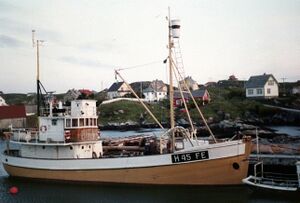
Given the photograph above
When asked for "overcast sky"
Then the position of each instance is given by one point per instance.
(87, 40)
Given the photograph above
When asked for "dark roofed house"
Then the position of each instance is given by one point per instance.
(296, 88)
(156, 91)
(202, 95)
(262, 86)
(199, 95)
(12, 115)
(117, 89)
(210, 84)
(138, 87)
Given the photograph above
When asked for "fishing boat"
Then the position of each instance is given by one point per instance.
(67, 146)
(261, 179)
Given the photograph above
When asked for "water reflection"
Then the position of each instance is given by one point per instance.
(43, 191)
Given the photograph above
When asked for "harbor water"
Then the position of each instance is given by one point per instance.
(51, 191)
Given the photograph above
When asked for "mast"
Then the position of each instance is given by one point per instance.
(38, 88)
(171, 90)
(38, 77)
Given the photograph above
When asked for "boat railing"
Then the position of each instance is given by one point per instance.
(273, 179)
(275, 182)
(56, 112)
(24, 134)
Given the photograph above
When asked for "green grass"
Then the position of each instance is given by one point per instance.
(15, 99)
(224, 101)
(123, 111)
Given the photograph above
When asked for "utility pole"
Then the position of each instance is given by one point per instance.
(283, 83)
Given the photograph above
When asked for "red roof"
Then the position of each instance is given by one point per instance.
(14, 111)
(86, 92)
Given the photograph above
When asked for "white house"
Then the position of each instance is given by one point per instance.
(156, 91)
(192, 84)
(2, 102)
(117, 89)
(262, 86)
(71, 95)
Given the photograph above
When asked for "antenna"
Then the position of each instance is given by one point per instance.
(33, 41)
(283, 82)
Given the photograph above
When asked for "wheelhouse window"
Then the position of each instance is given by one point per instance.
(74, 122)
(68, 122)
(87, 122)
(81, 122)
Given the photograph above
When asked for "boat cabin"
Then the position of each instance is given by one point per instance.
(63, 133)
(80, 124)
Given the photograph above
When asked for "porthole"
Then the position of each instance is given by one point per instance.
(82, 147)
(43, 147)
(71, 148)
(6, 160)
(236, 166)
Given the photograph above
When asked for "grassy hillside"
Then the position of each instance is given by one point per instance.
(12, 99)
(123, 111)
(225, 102)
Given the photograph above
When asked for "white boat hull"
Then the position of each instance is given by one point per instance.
(227, 164)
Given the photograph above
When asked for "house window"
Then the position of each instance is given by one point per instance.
(250, 92)
(269, 91)
(258, 91)
(271, 82)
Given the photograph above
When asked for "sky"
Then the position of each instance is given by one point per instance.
(86, 40)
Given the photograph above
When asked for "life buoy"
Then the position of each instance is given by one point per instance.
(43, 128)
(67, 135)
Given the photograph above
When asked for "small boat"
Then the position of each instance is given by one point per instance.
(274, 183)
(67, 147)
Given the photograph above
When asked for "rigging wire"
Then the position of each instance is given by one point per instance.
(141, 65)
